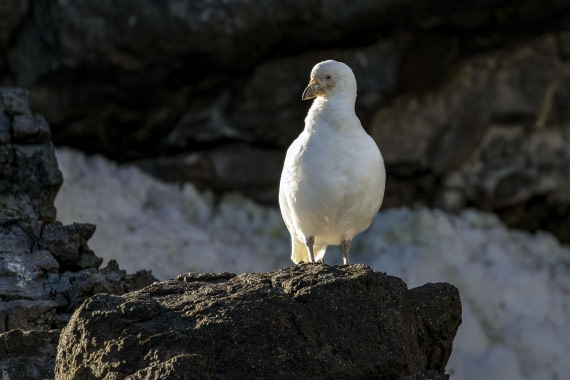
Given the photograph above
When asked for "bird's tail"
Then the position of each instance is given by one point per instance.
(299, 252)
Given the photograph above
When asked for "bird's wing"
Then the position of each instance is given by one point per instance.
(286, 187)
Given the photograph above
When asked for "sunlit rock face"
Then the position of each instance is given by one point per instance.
(305, 320)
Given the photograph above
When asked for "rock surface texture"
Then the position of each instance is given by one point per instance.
(46, 269)
(305, 321)
(202, 91)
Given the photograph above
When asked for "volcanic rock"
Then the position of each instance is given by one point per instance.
(305, 321)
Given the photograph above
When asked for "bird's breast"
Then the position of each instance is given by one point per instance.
(333, 183)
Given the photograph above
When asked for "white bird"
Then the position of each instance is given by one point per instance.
(333, 179)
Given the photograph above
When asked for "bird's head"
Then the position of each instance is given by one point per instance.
(329, 78)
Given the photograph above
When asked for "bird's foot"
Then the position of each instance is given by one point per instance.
(345, 246)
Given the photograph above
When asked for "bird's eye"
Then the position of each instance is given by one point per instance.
(327, 77)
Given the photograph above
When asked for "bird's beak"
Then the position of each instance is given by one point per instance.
(311, 91)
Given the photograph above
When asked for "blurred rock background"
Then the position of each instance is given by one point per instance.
(467, 100)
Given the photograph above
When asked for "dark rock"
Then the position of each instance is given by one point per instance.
(5, 127)
(494, 139)
(44, 276)
(46, 269)
(126, 61)
(440, 131)
(29, 128)
(266, 108)
(14, 101)
(306, 321)
(29, 181)
(122, 83)
(29, 176)
(68, 245)
(235, 59)
(30, 314)
(26, 355)
(233, 167)
(38, 293)
(12, 13)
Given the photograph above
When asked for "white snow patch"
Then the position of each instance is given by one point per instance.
(514, 286)
(146, 224)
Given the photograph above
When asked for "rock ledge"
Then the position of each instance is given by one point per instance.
(305, 321)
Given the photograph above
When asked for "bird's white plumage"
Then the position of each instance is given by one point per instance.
(333, 178)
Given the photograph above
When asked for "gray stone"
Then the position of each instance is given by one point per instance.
(68, 244)
(29, 181)
(38, 293)
(14, 101)
(22, 272)
(46, 269)
(310, 321)
(26, 355)
(29, 175)
(30, 314)
(28, 128)
(24, 128)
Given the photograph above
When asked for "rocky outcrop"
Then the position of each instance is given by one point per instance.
(46, 269)
(209, 92)
(305, 321)
(29, 177)
(40, 286)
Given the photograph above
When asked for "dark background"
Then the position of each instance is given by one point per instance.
(467, 100)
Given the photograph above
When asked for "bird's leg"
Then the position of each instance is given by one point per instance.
(309, 242)
(345, 246)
